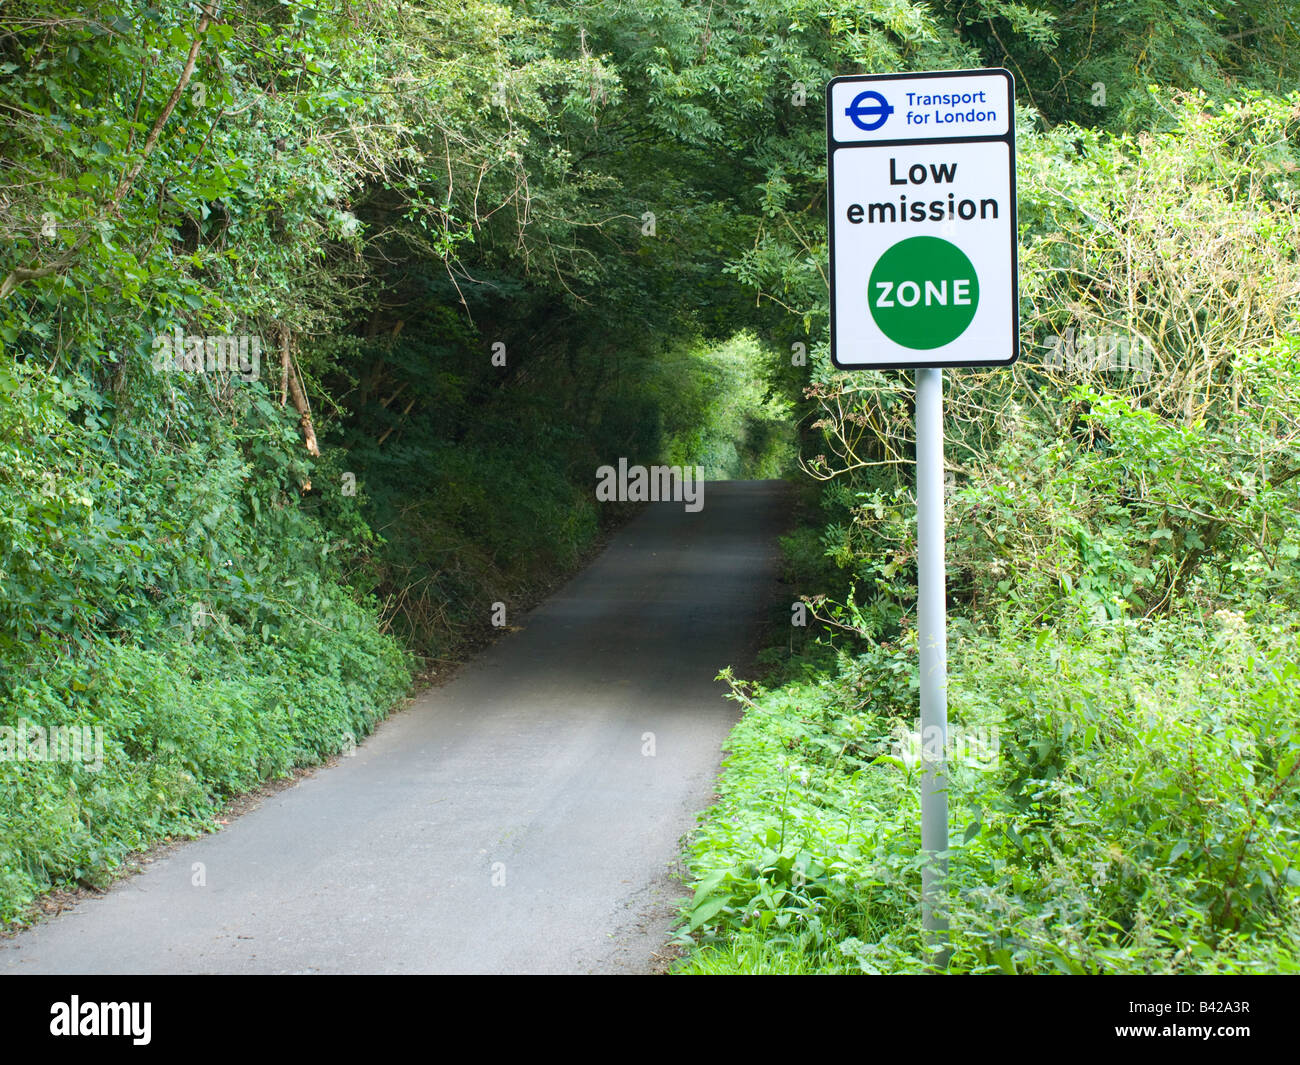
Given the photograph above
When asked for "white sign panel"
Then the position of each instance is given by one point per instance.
(922, 204)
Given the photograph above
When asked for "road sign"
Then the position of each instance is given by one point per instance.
(921, 176)
(922, 201)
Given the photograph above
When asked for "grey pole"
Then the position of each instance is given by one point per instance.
(932, 625)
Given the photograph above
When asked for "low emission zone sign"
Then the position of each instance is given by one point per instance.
(922, 200)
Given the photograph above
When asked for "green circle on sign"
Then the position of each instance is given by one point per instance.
(923, 292)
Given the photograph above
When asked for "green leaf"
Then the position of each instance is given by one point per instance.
(708, 884)
(707, 910)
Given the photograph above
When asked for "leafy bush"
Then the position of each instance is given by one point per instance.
(167, 594)
(1141, 816)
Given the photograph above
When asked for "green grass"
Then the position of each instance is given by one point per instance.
(748, 955)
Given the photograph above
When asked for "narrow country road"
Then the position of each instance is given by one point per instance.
(514, 820)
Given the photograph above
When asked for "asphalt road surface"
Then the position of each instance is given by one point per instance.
(522, 818)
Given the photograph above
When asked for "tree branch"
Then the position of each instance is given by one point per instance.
(129, 179)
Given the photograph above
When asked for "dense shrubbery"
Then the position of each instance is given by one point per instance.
(164, 588)
(1141, 815)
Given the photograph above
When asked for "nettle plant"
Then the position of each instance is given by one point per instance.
(1145, 814)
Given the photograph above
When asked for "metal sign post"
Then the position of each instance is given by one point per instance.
(923, 275)
(932, 631)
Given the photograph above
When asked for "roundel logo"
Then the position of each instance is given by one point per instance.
(869, 110)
